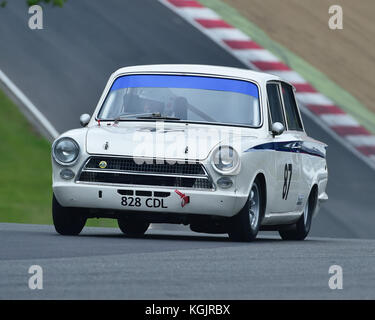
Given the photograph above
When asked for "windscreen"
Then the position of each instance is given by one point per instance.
(183, 98)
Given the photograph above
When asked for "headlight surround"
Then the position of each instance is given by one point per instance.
(65, 151)
(225, 160)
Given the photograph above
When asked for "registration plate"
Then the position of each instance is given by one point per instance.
(143, 202)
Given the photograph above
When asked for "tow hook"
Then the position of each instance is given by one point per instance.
(184, 198)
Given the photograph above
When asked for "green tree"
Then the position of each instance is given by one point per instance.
(58, 3)
(55, 3)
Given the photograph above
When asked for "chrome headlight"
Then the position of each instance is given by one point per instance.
(225, 160)
(65, 151)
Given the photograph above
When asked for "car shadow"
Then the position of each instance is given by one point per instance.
(175, 235)
(178, 237)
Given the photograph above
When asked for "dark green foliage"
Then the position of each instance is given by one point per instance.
(58, 3)
(55, 3)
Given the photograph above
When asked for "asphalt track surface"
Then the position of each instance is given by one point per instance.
(104, 264)
(63, 69)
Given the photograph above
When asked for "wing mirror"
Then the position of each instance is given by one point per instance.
(84, 119)
(277, 128)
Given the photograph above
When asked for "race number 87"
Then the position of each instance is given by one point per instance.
(287, 178)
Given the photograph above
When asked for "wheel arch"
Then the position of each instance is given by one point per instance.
(261, 179)
(313, 197)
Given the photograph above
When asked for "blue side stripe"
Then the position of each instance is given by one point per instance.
(189, 82)
(287, 146)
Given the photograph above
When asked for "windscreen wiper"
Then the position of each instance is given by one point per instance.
(157, 116)
(135, 115)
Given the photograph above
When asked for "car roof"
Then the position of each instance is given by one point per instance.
(199, 69)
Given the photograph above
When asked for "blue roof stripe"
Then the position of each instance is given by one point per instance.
(190, 82)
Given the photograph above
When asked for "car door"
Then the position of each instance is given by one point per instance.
(287, 159)
(296, 128)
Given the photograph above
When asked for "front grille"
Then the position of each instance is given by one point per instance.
(129, 164)
(126, 171)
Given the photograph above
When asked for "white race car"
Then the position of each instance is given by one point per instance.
(221, 149)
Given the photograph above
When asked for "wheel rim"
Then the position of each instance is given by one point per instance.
(306, 212)
(254, 206)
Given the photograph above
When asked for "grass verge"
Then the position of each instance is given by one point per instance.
(25, 171)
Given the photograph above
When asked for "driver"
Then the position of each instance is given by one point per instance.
(177, 107)
(180, 108)
(131, 102)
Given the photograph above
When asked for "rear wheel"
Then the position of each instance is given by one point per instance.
(133, 227)
(67, 221)
(245, 224)
(301, 229)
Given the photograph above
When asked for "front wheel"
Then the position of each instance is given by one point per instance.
(133, 227)
(244, 226)
(67, 221)
(301, 229)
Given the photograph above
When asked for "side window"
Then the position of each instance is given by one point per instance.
(291, 111)
(274, 100)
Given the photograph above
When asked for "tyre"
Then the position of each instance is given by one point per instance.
(301, 228)
(67, 221)
(133, 227)
(244, 226)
